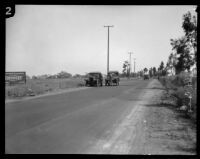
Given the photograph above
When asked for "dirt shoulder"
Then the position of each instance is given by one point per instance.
(165, 129)
(151, 127)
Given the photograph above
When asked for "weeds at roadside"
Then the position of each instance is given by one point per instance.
(179, 92)
(40, 86)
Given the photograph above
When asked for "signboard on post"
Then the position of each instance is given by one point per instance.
(15, 78)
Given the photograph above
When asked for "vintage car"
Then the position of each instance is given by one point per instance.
(146, 76)
(112, 78)
(94, 79)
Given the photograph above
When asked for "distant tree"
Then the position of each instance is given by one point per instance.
(154, 71)
(64, 74)
(126, 69)
(77, 76)
(140, 73)
(34, 77)
(171, 63)
(162, 70)
(161, 66)
(52, 76)
(165, 71)
(45, 76)
(158, 72)
(151, 72)
(145, 70)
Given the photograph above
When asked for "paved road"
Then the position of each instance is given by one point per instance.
(71, 122)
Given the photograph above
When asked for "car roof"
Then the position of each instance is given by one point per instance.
(95, 72)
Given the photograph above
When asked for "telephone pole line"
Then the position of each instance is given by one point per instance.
(134, 64)
(130, 62)
(108, 26)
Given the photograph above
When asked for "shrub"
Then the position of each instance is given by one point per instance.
(177, 83)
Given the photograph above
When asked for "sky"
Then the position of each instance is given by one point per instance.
(48, 39)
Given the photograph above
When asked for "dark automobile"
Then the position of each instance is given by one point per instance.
(146, 76)
(112, 78)
(94, 79)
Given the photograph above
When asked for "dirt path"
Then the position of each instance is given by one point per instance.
(150, 128)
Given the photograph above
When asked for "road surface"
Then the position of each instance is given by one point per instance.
(93, 120)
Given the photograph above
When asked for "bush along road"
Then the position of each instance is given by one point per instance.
(182, 89)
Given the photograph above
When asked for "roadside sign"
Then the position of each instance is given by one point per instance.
(15, 77)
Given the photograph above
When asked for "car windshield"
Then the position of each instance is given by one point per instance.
(113, 73)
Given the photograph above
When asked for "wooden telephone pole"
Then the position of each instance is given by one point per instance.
(130, 63)
(108, 26)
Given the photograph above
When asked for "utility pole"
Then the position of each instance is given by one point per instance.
(108, 26)
(130, 62)
(134, 68)
(134, 65)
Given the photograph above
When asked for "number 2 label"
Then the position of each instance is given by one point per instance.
(8, 11)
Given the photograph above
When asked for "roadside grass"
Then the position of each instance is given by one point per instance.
(41, 86)
(175, 88)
